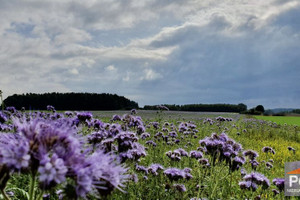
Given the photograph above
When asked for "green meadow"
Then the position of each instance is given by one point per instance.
(214, 181)
(290, 120)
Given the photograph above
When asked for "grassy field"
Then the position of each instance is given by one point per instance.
(290, 120)
(218, 180)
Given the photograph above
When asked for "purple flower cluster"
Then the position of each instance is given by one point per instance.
(196, 154)
(174, 174)
(132, 121)
(176, 154)
(54, 152)
(279, 183)
(3, 117)
(84, 116)
(253, 180)
(153, 168)
(50, 108)
(223, 119)
(179, 187)
(11, 109)
(221, 147)
(268, 149)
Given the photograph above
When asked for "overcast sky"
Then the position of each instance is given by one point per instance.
(154, 51)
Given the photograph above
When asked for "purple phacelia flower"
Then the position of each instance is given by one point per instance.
(133, 112)
(140, 129)
(112, 175)
(182, 152)
(237, 162)
(69, 113)
(204, 162)
(254, 164)
(97, 137)
(179, 187)
(14, 151)
(83, 116)
(275, 192)
(141, 168)
(248, 185)
(50, 108)
(52, 170)
(257, 178)
(116, 118)
(154, 168)
(150, 142)
(196, 154)
(173, 134)
(11, 109)
(3, 117)
(279, 182)
(268, 149)
(250, 154)
(174, 174)
(144, 136)
(269, 165)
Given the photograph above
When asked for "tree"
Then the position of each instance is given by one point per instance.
(260, 109)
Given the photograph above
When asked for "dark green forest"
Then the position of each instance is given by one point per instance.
(70, 101)
(203, 107)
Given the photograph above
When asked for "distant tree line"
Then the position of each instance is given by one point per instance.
(70, 101)
(297, 111)
(202, 107)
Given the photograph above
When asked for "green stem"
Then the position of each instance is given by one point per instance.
(4, 195)
(40, 197)
(32, 184)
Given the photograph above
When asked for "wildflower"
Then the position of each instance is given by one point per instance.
(254, 164)
(11, 109)
(248, 185)
(50, 108)
(112, 175)
(154, 168)
(250, 154)
(196, 154)
(83, 116)
(257, 178)
(150, 142)
(204, 162)
(243, 172)
(182, 152)
(279, 182)
(268, 149)
(275, 192)
(175, 174)
(173, 134)
(141, 168)
(52, 170)
(269, 165)
(3, 118)
(14, 151)
(179, 187)
(133, 112)
(237, 162)
(116, 118)
(145, 135)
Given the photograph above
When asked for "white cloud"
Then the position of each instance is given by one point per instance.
(201, 46)
(111, 68)
(150, 75)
